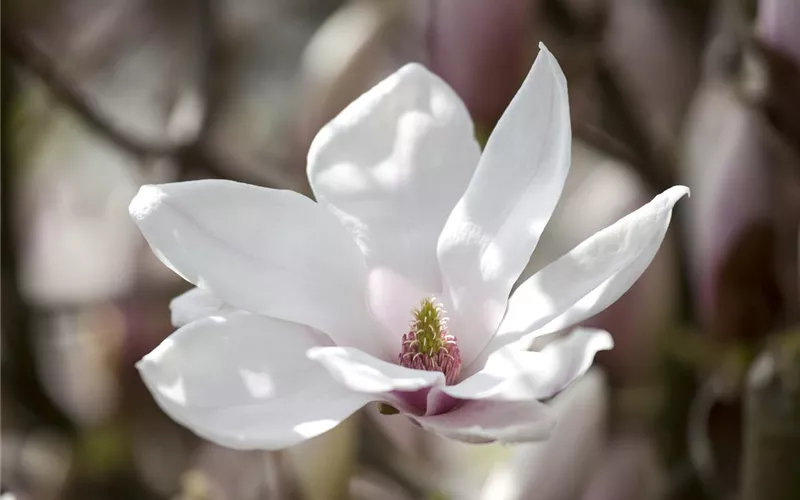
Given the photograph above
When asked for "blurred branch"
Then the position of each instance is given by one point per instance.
(212, 52)
(204, 157)
(617, 108)
(656, 169)
(771, 468)
(197, 152)
(201, 153)
(603, 141)
(28, 56)
(695, 13)
(779, 100)
(772, 437)
(627, 138)
(19, 374)
(699, 444)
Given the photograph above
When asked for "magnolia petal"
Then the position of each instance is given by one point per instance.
(363, 373)
(488, 421)
(243, 381)
(588, 278)
(263, 250)
(392, 165)
(195, 304)
(494, 228)
(514, 375)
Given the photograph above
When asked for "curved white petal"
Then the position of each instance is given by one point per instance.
(195, 304)
(361, 372)
(263, 250)
(243, 381)
(590, 277)
(489, 421)
(392, 165)
(514, 375)
(493, 229)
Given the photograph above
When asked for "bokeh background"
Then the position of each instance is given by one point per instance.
(699, 400)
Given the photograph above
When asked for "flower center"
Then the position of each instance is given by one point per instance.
(428, 345)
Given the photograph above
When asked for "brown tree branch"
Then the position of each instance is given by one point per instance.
(28, 56)
(197, 152)
(19, 374)
(771, 469)
(603, 141)
(622, 134)
(210, 46)
(657, 171)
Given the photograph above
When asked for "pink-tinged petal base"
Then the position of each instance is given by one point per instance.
(391, 299)
(408, 390)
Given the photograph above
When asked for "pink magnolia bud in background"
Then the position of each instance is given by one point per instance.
(724, 157)
(660, 74)
(779, 26)
(483, 50)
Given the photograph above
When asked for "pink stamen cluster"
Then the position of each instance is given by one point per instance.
(428, 345)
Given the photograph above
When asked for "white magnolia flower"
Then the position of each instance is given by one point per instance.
(302, 312)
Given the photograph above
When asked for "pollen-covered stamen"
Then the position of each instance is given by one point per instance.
(428, 345)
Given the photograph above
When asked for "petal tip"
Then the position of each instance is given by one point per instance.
(605, 342)
(145, 367)
(675, 193)
(145, 201)
(550, 61)
(543, 50)
(683, 190)
(154, 359)
(600, 340)
(413, 67)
